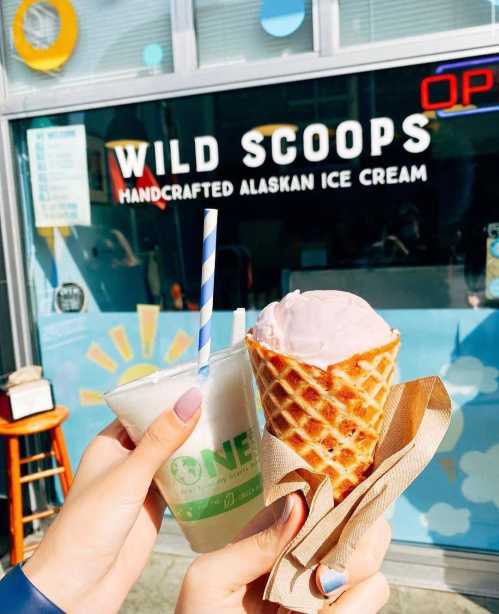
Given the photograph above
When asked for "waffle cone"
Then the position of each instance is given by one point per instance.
(332, 418)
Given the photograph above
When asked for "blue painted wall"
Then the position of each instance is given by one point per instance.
(456, 500)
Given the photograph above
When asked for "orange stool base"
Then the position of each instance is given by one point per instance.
(12, 430)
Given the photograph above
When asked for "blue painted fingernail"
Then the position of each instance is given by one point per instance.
(331, 580)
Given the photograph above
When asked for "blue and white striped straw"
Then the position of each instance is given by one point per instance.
(207, 285)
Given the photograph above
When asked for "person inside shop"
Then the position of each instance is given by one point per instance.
(234, 278)
(100, 542)
(400, 241)
(179, 300)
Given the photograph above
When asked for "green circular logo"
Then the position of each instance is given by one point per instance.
(186, 470)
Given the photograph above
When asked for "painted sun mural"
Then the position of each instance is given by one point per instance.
(131, 366)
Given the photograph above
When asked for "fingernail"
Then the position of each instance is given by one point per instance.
(331, 580)
(288, 508)
(125, 440)
(188, 404)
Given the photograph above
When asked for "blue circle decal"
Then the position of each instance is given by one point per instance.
(152, 54)
(282, 17)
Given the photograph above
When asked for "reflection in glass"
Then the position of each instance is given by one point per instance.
(137, 43)
(230, 31)
(369, 21)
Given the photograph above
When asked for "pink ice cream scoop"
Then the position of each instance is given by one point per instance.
(321, 327)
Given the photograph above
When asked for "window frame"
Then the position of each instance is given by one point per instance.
(419, 37)
(327, 59)
(16, 275)
(316, 39)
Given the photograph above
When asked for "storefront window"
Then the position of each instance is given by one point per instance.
(230, 31)
(6, 348)
(342, 182)
(83, 40)
(369, 21)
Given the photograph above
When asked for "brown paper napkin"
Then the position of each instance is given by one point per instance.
(417, 415)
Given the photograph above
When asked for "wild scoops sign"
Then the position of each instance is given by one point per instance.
(314, 143)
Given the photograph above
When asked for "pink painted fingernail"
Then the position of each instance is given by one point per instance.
(188, 404)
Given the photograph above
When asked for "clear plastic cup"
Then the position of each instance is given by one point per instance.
(212, 483)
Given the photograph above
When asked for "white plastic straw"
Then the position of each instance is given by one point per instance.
(238, 325)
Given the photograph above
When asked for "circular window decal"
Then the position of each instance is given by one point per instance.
(69, 298)
(59, 52)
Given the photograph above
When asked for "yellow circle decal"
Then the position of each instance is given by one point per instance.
(53, 57)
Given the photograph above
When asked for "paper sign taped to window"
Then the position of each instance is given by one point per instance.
(59, 176)
(492, 269)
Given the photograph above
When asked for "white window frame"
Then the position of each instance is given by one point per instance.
(185, 57)
(401, 43)
(316, 40)
(3, 70)
(415, 47)
(327, 59)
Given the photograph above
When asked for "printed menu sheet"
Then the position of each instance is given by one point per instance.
(59, 176)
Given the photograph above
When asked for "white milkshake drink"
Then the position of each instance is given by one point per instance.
(212, 483)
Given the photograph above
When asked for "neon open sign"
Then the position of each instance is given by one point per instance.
(460, 88)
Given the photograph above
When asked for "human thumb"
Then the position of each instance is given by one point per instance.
(167, 433)
(254, 556)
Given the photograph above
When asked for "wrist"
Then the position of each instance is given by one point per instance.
(48, 580)
(18, 594)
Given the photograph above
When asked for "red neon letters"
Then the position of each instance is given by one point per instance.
(472, 82)
(485, 76)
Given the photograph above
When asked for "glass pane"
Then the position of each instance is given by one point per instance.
(231, 31)
(85, 40)
(6, 349)
(405, 214)
(7, 363)
(367, 21)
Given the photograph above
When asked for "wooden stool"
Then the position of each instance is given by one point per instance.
(12, 430)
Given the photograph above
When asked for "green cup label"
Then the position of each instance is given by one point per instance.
(215, 481)
(219, 503)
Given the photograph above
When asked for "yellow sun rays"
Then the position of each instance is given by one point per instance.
(148, 324)
(90, 397)
(98, 356)
(121, 343)
(180, 344)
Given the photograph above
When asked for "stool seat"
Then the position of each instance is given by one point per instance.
(37, 423)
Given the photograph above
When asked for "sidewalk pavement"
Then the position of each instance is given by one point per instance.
(157, 590)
